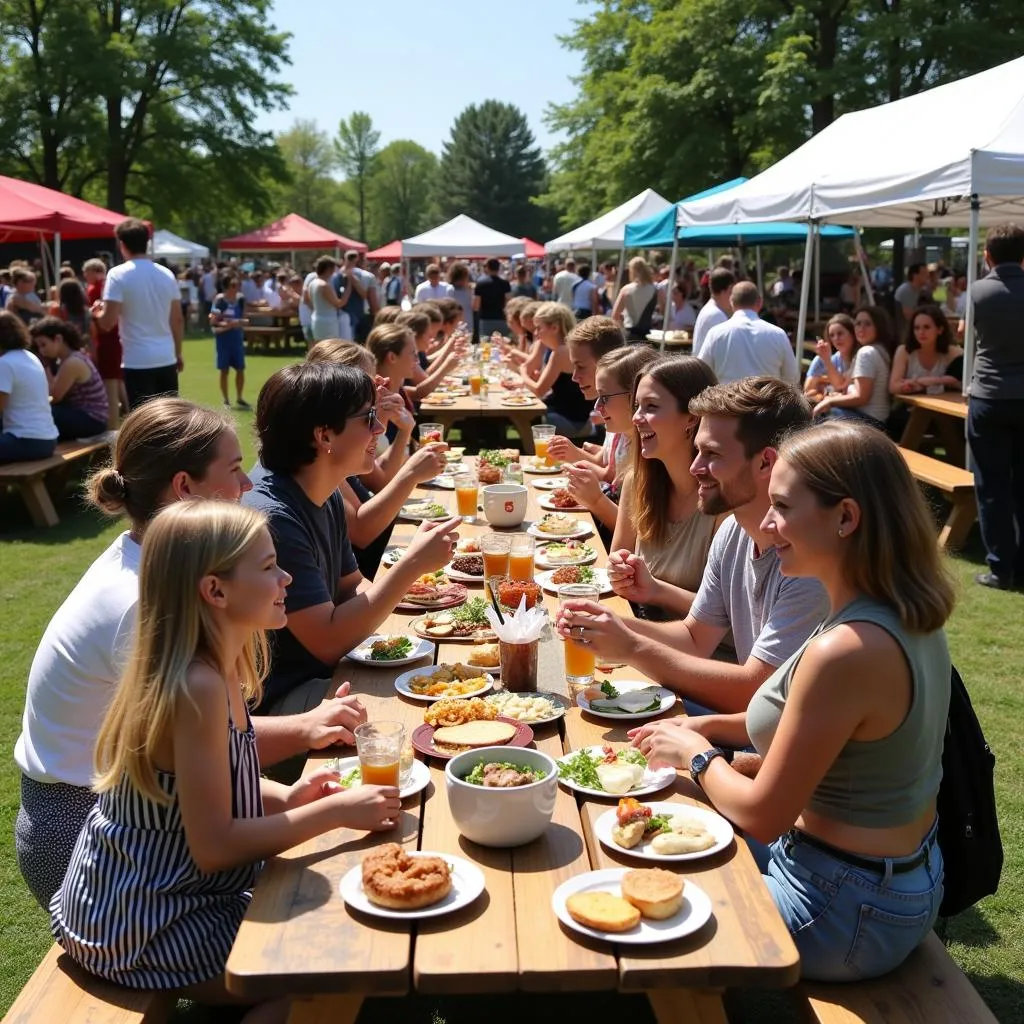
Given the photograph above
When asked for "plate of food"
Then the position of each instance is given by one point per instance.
(560, 500)
(605, 771)
(435, 399)
(432, 590)
(466, 568)
(437, 681)
(634, 907)
(391, 556)
(532, 708)
(499, 457)
(518, 400)
(467, 622)
(539, 464)
(552, 579)
(350, 775)
(551, 483)
(454, 454)
(445, 741)
(484, 656)
(391, 649)
(444, 482)
(424, 512)
(468, 546)
(627, 700)
(663, 831)
(409, 885)
(559, 553)
(558, 524)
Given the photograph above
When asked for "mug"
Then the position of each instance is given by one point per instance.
(504, 504)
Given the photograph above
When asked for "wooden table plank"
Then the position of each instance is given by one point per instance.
(468, 407)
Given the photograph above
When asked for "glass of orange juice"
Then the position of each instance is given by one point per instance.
(379, 746)
(520, 558)
(476, 379)
(542, 434)
(579, 656)
(466, 495)
(495, 548)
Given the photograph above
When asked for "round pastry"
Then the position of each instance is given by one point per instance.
(391, 878)
(602, 911)
(655, 892)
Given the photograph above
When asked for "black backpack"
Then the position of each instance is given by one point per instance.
(968, 823)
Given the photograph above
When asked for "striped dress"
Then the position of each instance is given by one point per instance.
(134, 908)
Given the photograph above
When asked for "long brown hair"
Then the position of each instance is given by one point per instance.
(892, 556)
(684, 377)
(937, 317)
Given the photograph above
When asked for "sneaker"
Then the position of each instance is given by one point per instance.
(242, 404)
(990, 579)
(227, 404)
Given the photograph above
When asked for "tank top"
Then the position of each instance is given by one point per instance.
(134, 907)
(879, 783)
(231, 311)
(915, 369)
(679, 559)
(635, 303)
(321, 304)
(90, 396)
(566, 398)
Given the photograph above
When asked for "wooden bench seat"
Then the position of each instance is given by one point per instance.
(30, 477)
(928, 988)
(60, 992)
(266, 337)
(957, 484)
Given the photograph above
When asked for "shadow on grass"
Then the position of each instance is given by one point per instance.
(77, 520)
(969, 928)
(1004, 996)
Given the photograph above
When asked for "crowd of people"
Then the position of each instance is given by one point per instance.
(177, 689)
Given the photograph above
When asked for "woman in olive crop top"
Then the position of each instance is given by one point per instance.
(850, 729)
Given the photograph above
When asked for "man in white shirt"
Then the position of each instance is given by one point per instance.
(207, 293)
(143, 299)
(433, 287)
(717, 309)
(747, 346)
(564, 283)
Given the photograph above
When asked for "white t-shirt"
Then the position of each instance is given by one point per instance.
(305, 313)
(425, 291)
(77, 667)
(747, 346)
(562, 286)
(27, 412)
(872, 361)
(145, 291)
(711, 315)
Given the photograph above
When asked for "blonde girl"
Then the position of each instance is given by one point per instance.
(634, 305)
(163, 870)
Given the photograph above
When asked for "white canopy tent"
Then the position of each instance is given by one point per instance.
(169, 246)
(461, 236)
(609, 230)
(949, 157)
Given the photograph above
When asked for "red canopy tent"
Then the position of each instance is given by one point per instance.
(390, 252)
(292, 232)
(533, 250)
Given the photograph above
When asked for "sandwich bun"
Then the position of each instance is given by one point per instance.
(655, 892)
(602, 911)
(475, 734)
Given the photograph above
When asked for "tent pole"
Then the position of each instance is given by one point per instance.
(44, 252)
(760, 270)
(817, 274)
(666, 320)
(972, 276)
(864, 275)
(56, 253)
(622, 266)
(805, 289)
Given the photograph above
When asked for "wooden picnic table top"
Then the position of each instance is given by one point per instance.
(299, 937)
(949, 403)
(489, 404)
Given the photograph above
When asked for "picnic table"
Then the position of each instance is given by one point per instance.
(299, 938)
(486, 406)
(676, 340)
(943, 409)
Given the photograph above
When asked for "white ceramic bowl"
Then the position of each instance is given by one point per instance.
(505, 504)
(501, 817)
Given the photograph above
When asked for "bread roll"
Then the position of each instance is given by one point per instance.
(475, 734)
(629, 835)
(602, 911)
(655, 892)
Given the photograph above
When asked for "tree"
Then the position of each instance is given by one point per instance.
(677, 95)
(356, 147)
(309, 158)
(399, 193)
(113, 89)
(491, 168)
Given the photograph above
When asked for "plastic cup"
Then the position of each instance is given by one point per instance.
(379, 746)
(467, 494)
(542, 434)
(579, 656)
(495, 548)
(431, 433)
(520, 558)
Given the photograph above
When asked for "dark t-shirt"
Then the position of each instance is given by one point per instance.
(492, 291)
(527, 291)
(313, 547)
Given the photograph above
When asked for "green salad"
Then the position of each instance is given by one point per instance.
(493, 457)
(472, 613)
(353, 777)
(391, 649)
(582, 766)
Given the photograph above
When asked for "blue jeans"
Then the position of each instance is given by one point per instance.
(74, 422)
(24, 449)
(849, 922)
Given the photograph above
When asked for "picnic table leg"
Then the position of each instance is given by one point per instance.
(913, 432)
(523, 422)
(686, 1006)
(961, 518)
(39, 503)
(336, 1009)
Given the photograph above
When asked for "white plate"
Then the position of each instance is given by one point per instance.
(668, 698)
(583, 529)
(419, 781)
(714, 823)
(420, 649)
(655, 779)
(529, 466)
(545, 563)
(511, 403)
(693, 914)
(444, 482)
(423, 519)
(551, 483)
(600, 579)
(402, 684)
(548, 505)
(467, 884)
(391, 556)
(461, 577)
(555, 698)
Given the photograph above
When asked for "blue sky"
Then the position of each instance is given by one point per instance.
(413, 66)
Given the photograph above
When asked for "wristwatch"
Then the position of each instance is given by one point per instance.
(699, 764)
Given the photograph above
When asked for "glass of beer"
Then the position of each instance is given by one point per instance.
(495, 548)
(431, 433)
(466, 495)
(520, 558)
(542, 434)
(579, 656)
(476, 379)
(379, 746)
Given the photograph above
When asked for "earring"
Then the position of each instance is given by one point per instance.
(840, 533)
(329, 452)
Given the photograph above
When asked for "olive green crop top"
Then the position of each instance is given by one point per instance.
(877, 783)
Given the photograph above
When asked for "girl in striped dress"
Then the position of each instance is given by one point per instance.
(163, 869)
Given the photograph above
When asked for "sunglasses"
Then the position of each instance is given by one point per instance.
(605, 399)
(370, 416)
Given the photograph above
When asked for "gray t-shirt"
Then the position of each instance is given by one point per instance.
(872, 361)
(770, 615)
(907, 295)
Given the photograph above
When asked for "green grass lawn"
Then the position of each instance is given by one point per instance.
(39, 567)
